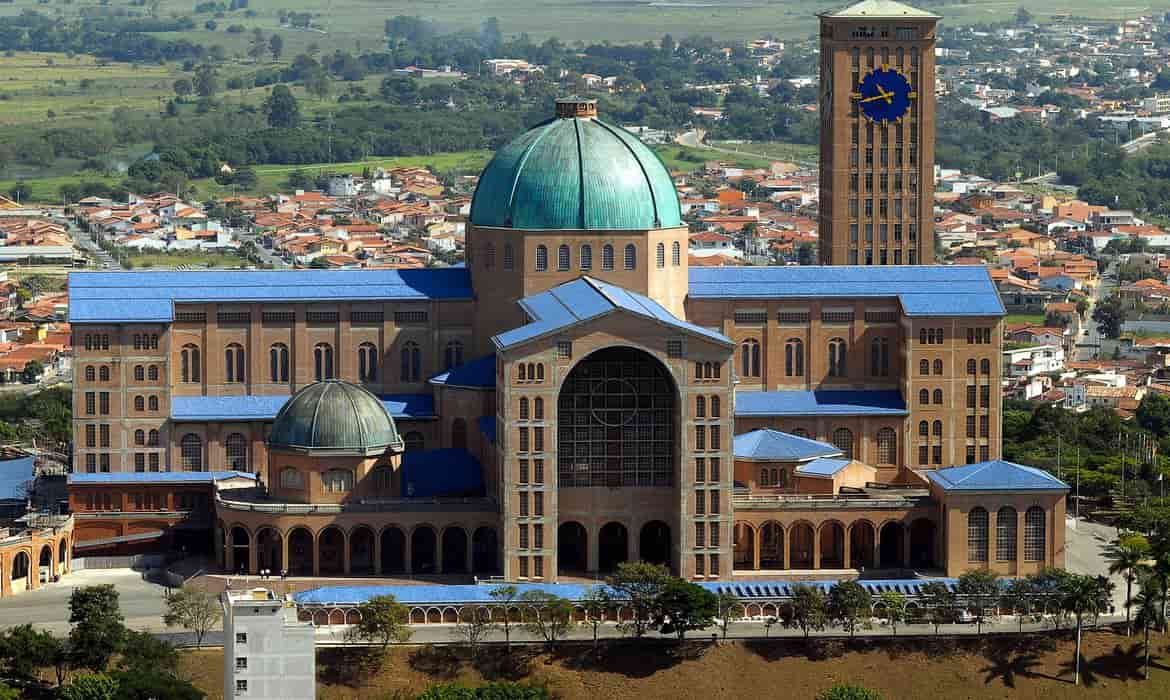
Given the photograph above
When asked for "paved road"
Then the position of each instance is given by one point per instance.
(48, 607)
(1093, 345)
(82, 240)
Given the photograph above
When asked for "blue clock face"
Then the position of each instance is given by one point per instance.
(884, 95)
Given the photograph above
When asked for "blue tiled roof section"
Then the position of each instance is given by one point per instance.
(480, 373)
(446, 472)
(439, 594)
(586, 298)
(248, 408)
(14, 474)
(923, 290)
(157, 477)
(487, 427)
(826, 402)
(996, 475)
(822, 467)
(774, 446)
(108, 297)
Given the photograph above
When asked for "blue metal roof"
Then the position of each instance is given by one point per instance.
(157, 477)
(439, 594)
(826, 402)
(480, 373)
(774, 446)
(14, 475)
(487, 427)
(584, 299)
(996, 475)
(923, 290)
(822, 467)
(111, 297)
(449, 471)
(251, 408)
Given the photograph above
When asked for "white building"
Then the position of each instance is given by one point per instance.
(1034, 360)
(267, 653)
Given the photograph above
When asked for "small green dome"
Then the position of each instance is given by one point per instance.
(576, 173)
(334, 417)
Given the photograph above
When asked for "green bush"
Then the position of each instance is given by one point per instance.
(499, 690)
(846, 691)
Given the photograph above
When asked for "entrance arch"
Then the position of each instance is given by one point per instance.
(771, 546)
(572, 548)
(454, 551)
(485, 551)
(654, 543)
(922, 532)
(890, 546)
(45, 563)
(393, 551)
(743, 548)
(300, 552)
(832, 545)
(801, 542)
(861, 542)
(62, 556)
(422, 550)
(268, 550)
(241, 543)
(331, 551)
(361, 550)
(613, 546)
(20, 571)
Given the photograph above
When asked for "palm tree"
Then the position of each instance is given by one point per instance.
(1149, 612)
(1083, 595)
(1127, 556)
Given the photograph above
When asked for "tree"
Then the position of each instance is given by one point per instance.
(245, 178)
(7, 692)
(383, 621)
(206, 82)
(939, 601)
(804, 254)
(850, 605)
(895, 607)
(90, 686)
(551, 618)
(147, 684)
(1109, 314)
(505, 597)
(258, 47)
(1017, 597)
(183, 87)
(1149, 614)
(810, 609)
(596, 602)
(475, 621)
(847, 691)
(1127, 557)
(275, 46)
(26, 650)
(192, 609)
(97, 626)
(682, 606)
(980, 588)
(728, 610)
(1153, 413)
(142, 652)
(638, 585)
(281, 108)
(315, 79)
(1083, 595)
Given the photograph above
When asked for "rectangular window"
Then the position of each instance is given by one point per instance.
(538, 439)
(714, 437)
(700, 560)
(700, 534)
(523, 439)
(366, 317)
(401, 317)
(970, 426)
(751, 317)
(154, 462)
(241, 685)
(713, 570)
(241, 663)
(700, 470)
(700, 503)
(523, 471)
(538, 471)
(970, 397)
(937, 454)
(523, 567)
(139, 462)
(714, 502)
(674, 348)
(90, 463)
(564, 349)
(714, 539)
(700, 437)
(104, 403)
(523, 504)
(523, 536)
(538, 503)
(984, 453)
(90, 403)
(104, 434)
(241, 637)
(538, 536)
(984, 426)
(714, 475)
(538, 567)
(985, 396)
(970, 454)
(91, 435)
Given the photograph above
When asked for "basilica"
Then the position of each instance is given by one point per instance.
(572, 397)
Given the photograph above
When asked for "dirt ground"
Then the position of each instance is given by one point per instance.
(1020, 669)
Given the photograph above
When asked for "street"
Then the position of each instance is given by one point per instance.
(1091, 345)
(48, 607)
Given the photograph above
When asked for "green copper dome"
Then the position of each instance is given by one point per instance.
(334, 417)
(574, 173)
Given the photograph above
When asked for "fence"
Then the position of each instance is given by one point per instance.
(134, 561)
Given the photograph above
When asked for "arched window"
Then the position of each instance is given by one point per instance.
(453, 355)
(887, 446)
(278, 362)
(675, 254)
(413, 441)
(606, 257)
(152, 373)
(538, 409)
(523, 408)
(140, 437)
(290, 478)
(539, 372)
(586, 258)
(631, 259)
(970, 366)
(367, 362)
(923, 429)
(323, 361)
(459, 434)
(1034, 534)
(924, 367)
(714, 406)
(233, 363)
(338, 480)
(938, 367)
(985, 366)
(411, 362)
(191, 452)
(977, 535)
(938, 396)
(139, 373)
(879, 357)
(104, 374)
(236, 447)
(189, 368)
(1006, 521)
(700, 406)
(764, 480)
(923, 397)
(563, 258)
(152, 439)
(152, 403)
(90, 374)
(780, 478)
(837, 366)
(794, 357)
(843, 440)
(541, 258)
(750, 351)
(937, 429)
(489, 255)
(509, 257)
(139, 403)
(660, 255)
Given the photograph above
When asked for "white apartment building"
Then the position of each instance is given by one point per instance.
(1034, 360)
(267, 653)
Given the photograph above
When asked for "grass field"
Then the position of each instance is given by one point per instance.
(688, 159)
(1019, 319)
(193, 259)
(973, 671)
(798, 152)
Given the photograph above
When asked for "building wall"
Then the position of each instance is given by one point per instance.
(22, 554)
(955, 509)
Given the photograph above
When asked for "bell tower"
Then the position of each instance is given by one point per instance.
(877, 135)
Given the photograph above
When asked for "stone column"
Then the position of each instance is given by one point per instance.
(848, 558)
(755, 547)
(471, 556)
(316, 556)
(253, 555)
(377, 553)
(229, 552)
(788, 547)
(906, 546)
(345, 553)
(284, 563)
(816, 545)
(877, 548)
(407, 556)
